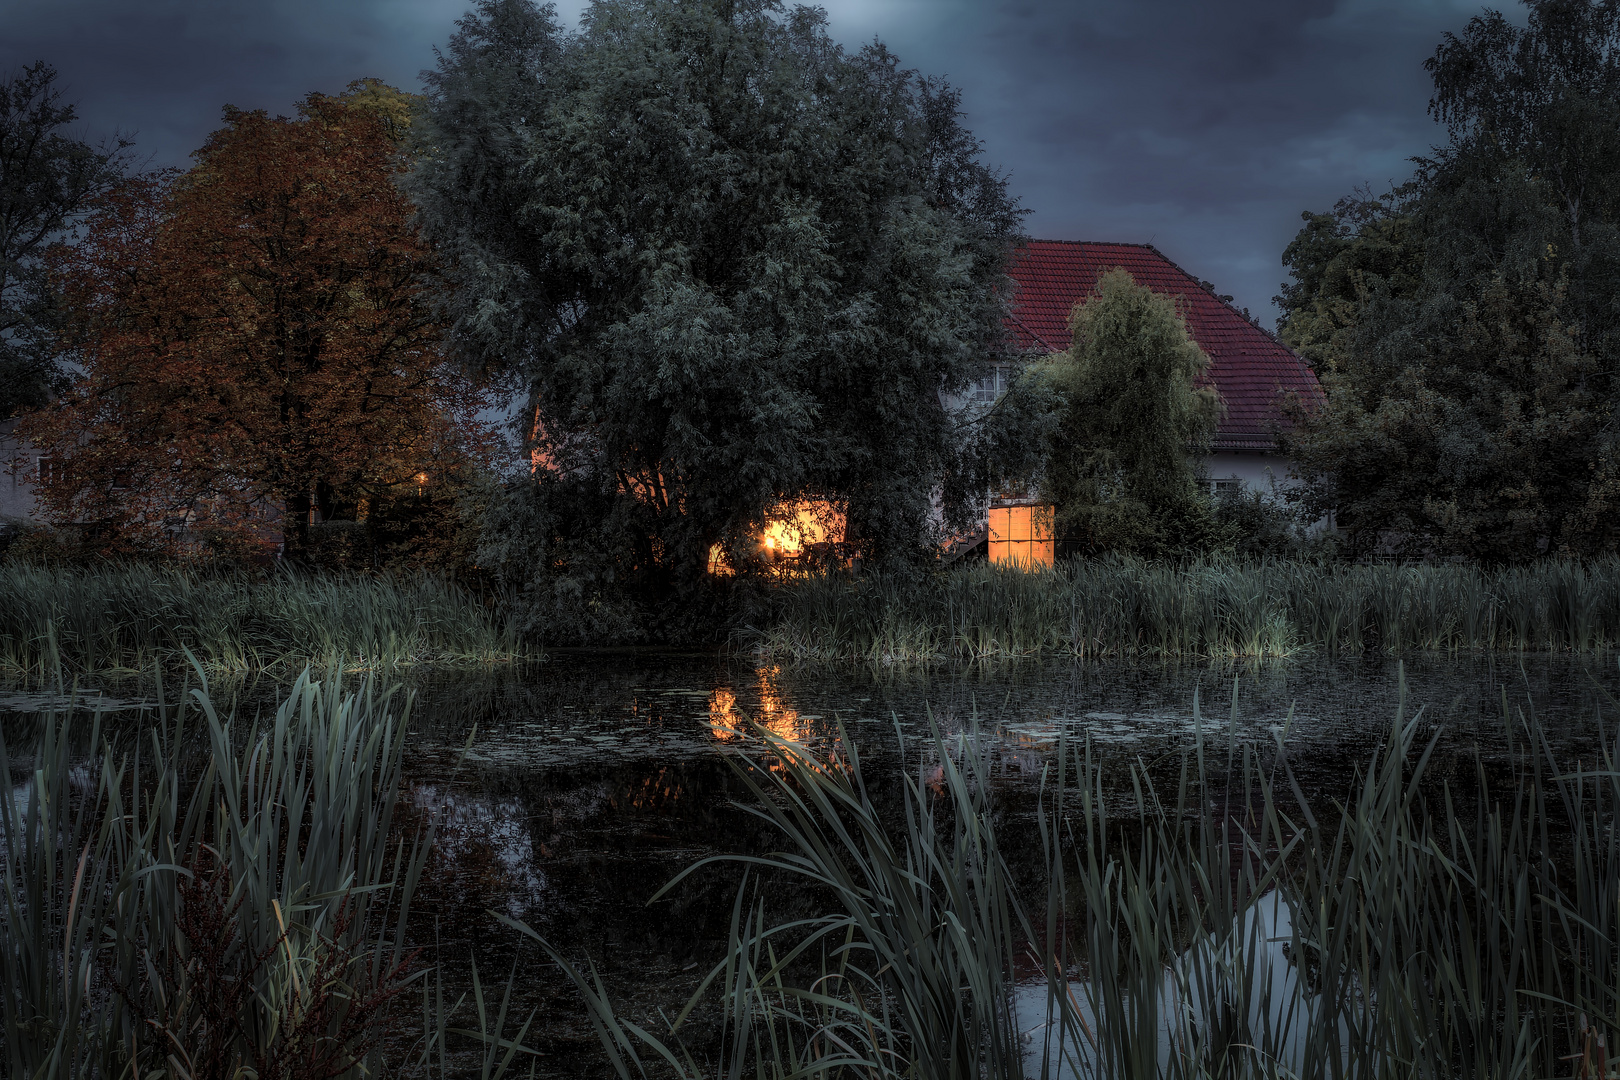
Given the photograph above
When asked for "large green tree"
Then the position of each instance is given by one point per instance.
(1131, 419)
(1464, 325)
(48, 180)
(727, 263)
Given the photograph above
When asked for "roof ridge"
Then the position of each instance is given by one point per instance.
(1109, 243)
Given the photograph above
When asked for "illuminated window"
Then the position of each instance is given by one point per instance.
(1022, 535)
(791, 529)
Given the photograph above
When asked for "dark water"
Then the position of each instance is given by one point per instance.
(573, 790)
(595, 778)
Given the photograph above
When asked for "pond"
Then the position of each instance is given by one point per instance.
(594, 779)
(574, 789)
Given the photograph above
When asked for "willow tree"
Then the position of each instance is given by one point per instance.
(1121, 465)
(726, 261)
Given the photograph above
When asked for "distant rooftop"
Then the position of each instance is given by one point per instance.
(1252, 370)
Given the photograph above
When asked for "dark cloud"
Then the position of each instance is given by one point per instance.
(1201, 126)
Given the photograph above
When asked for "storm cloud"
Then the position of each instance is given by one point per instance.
(1201, 127)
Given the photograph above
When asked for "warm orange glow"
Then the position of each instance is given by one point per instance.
(1022, 536)
(722, 715)
(775, 716)
(790, 528)
(794, 526)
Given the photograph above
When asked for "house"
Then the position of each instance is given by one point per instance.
(1254, 373)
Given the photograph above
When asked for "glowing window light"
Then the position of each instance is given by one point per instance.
(790, 528)
(1022, 536)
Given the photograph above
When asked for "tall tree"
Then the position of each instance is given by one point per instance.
(257, 339)
(730, 263)
(48, 179)
(1120, 464)
(1465, 326)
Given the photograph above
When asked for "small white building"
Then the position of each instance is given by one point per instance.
(1254, 373)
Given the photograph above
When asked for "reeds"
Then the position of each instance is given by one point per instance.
(206, 902)
(130, 619)
(1206, 919)
(1128, 608)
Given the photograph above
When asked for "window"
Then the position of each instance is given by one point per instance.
(1022, 536)
(991, 386)
(51, 472)
(1226, 487)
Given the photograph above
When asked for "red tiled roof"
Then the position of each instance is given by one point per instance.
(1251, 369)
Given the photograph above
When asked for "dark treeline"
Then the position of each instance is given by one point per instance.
(712, 264)
(1464, 323)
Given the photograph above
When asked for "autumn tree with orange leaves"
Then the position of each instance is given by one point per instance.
(257, 341)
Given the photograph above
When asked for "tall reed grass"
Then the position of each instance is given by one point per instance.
(214, 903)
(131, 618)
(1206, 921)
(1127, 608)
(206, 901)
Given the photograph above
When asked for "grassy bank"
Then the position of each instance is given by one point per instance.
(1119, 608)
(130, 618)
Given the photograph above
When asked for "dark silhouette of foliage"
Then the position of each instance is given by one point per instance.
(48, 180)
(729, 263)
(1464, 325)
(1119, 465)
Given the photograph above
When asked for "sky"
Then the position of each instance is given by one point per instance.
(1203, 127)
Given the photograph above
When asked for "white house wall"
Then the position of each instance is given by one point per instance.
(1257, 471)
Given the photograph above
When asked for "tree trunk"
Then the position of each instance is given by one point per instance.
(295, 527)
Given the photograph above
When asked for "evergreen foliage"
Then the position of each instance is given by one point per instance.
(728, 263)
(1120, 466)
(1464, 324)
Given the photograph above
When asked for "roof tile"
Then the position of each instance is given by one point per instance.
(1253, 371)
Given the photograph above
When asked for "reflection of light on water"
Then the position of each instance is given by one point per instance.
(722, 715)
(774, 715)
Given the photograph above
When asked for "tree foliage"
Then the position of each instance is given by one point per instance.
(728, 262)
(48, 179)
(1464, 325)
(257, 340)
(1131, 419)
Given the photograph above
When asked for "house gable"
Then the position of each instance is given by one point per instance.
(1253, 372)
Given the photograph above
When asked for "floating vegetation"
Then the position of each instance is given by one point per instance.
(1112, 607)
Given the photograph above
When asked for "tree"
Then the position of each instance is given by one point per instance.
(1465, 326)
(1120, 464)
(729, 263)
(257, 340)
(48, 179)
